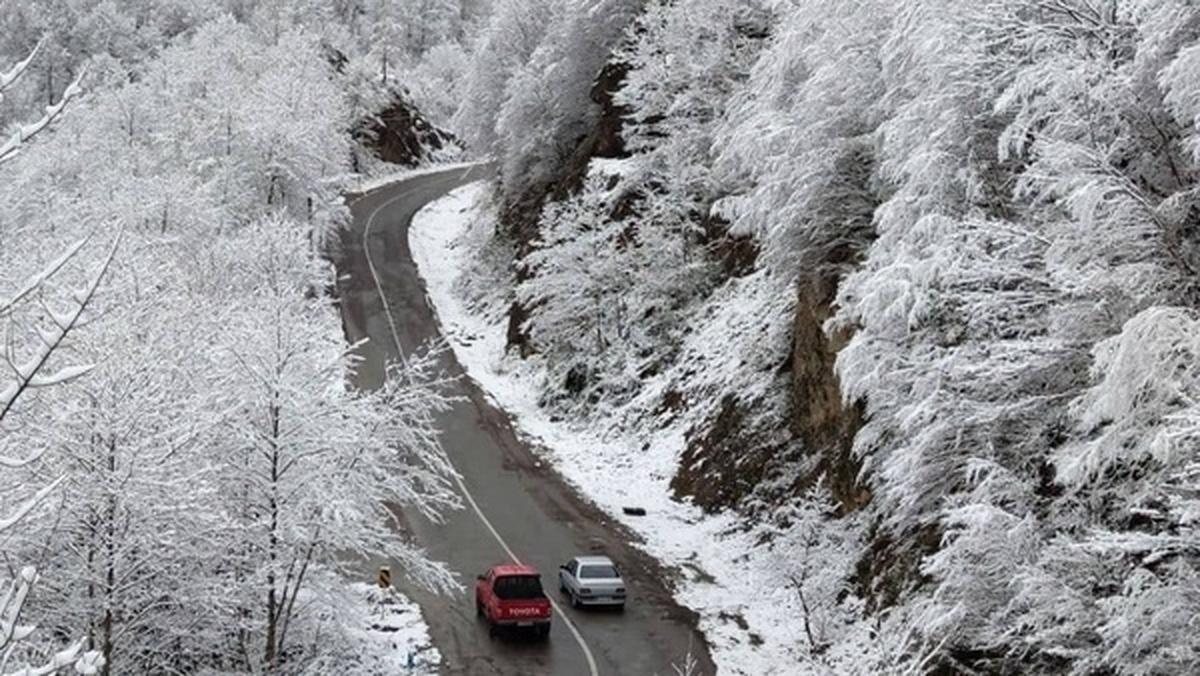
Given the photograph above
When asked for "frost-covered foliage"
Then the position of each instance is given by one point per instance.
(993, 275)
(537, 134)
(190, 153)
(618, 266)
(527, 102)
(508, 39)
(194, 495)
(305, 469)
(382, 50)
(416, 49)
(798, 138)
(1004, 196)
(606, 296)
(37, 326)
(684, 59)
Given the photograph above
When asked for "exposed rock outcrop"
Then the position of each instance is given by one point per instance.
(400, 134)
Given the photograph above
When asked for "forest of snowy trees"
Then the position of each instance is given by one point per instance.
(184, 473)
(924, 272)
(916, 281)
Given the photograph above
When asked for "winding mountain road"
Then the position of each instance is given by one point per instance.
(516, 506)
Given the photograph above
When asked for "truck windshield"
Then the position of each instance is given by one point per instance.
(512, 587)
(598, 572)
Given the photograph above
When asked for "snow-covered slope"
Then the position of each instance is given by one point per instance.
(890, 255)
(742, 580)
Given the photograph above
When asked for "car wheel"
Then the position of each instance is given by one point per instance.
(491, 629)
(544, 632)
(575, 601)
(478, 609)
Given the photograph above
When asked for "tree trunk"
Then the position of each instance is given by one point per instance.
(272, 651)
(110, 572)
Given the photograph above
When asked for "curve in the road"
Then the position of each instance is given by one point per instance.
(532, 510)
(462, 487)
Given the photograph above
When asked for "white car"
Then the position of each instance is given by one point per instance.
(592, 580)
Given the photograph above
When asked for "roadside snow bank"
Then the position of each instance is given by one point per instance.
(734, 577)
(393, 634)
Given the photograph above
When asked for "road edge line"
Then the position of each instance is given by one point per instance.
(587, 652)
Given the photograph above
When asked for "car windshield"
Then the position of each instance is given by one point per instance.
(598, 571)
(512, 587)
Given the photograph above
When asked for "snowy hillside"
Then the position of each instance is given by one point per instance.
(921, 272)
(885, 312)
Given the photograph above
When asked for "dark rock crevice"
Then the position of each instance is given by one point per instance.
(401, 135)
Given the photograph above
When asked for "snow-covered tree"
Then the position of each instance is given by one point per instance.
(309, 470)
(619, 264)
(31, 366)
(195, 146)
(605, 296)
(993, 273)
(513, 31)
(797, 145)
(135, 529)
(547, 105)
(1003, 194)
(686, 62)
(230, 139)
(1140, 426)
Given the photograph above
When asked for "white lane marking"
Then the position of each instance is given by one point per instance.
(387, 310)
(587, 653)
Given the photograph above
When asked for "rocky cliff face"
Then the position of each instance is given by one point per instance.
(774, 450)
(821, 419)
(400, 134)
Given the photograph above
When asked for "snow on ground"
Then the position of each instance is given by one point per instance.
(749, 612)
(394, 634)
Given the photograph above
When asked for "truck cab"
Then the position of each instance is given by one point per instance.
(511, 596)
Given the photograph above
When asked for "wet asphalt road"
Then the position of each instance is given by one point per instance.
(542, 520)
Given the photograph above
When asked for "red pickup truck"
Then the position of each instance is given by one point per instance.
(511, 596)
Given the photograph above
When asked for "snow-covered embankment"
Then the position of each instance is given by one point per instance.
(748, 611)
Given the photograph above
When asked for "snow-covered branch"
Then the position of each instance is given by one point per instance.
(10, 77)
(10, 147)
(30, 372)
